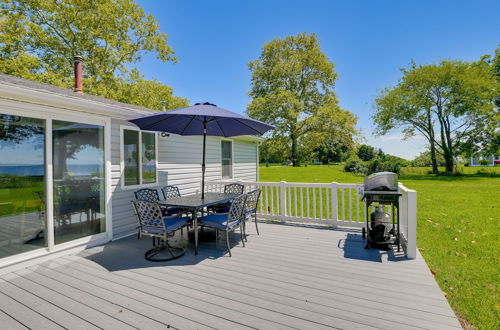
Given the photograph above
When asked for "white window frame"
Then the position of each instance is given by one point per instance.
(122, 159)
(232, 158)
(49, 114)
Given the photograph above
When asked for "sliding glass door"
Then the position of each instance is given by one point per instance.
(79, 180)
(23, 224)
(52, 182)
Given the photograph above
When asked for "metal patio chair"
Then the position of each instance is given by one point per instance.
(227, 221)
(172, 192)
(233, 188)
(251, 204)
(153, 223)
(147, 194)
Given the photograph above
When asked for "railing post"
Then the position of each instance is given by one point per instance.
(411, 215)
(283, 200)
(335, 212)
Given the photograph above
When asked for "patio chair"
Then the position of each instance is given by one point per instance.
(228, 221)
(147, 194)
(172, 192)
(152, 223)
(233, 188)
(251, 209)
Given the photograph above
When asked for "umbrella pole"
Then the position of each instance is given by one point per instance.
(203, 163)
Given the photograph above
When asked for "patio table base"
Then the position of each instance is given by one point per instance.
(205, 235)
(170, 252)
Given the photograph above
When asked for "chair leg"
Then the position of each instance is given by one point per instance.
(245, 230)
(228, 245)
(256, 227)
(241, 235)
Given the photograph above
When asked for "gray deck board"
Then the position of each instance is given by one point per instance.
(289, 277)
(8, 323)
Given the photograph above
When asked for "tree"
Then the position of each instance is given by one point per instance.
(38, 40)
(331, 133)
(366, 152)
(424, 159)
(449, 103)
(291, 81)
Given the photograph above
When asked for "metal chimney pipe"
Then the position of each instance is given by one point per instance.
(78, 60)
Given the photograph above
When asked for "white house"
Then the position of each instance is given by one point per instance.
(69, 164)
(492, 160)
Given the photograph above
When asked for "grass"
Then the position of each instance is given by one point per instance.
(458, 231)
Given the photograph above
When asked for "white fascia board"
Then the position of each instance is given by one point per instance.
(47, 98)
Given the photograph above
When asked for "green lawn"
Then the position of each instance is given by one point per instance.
(458, 231)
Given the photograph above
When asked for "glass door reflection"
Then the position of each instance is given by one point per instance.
(22, 184)
(79, 180)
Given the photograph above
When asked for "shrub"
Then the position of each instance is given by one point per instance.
(351, 164)
(484, 162)
(360, 168)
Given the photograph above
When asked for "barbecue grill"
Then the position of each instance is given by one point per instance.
(382, 189)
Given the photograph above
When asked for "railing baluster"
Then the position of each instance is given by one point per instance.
(263, 200)
(320, 203)
(343, 204)
(350, 205)
(357, 206)
(272, 200)
(289, 201)
(301, 202)
(314, 201)
(327, 203)
(295, 200)
(308, 208)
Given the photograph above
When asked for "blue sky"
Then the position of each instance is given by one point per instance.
(368, 41)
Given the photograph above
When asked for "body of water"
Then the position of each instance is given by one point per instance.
(37, 170)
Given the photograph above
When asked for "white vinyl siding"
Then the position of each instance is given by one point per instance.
(245, 161)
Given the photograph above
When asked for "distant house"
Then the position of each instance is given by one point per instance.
(492, 160)
(70, 163)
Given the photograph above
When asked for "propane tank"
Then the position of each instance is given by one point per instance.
(380, 217)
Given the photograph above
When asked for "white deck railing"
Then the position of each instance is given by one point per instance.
(336, 204)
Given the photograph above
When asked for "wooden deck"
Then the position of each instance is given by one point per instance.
(291, 276)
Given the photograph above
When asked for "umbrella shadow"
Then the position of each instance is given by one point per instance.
(128, 253)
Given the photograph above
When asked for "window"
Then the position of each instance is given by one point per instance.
(227, 159)
(148, 157)
(139, 157)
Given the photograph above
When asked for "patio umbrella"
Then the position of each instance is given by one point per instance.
(202, 119)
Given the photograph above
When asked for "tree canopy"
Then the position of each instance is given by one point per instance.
(450, 103)
(293, 89)
(38, 40)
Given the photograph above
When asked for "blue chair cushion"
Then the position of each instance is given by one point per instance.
(218, 221)
(172, 225)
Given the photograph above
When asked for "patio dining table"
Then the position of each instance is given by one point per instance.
(195, 203)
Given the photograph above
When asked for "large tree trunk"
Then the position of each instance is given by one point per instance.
(435, 169)
(295, 154)
(432, 142)
(449, 161)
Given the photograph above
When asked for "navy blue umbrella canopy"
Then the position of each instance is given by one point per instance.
(191, 121)
(202, 119)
